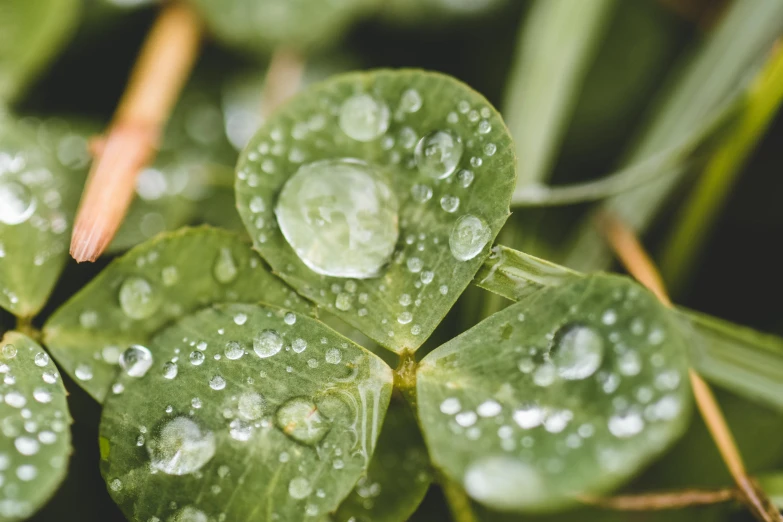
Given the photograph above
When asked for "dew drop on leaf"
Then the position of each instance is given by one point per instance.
(494, 480)
(340, 217)
(251, 405)
(267, 343)
(364, 118)
(17, 203)
(468, 237)
(577, 351)
(300, 419)
(225, 269)
(136, 360)
(233, 350)
(138, 298)
(438, 154)
(299, 488)
(180, 446)
(188, 514)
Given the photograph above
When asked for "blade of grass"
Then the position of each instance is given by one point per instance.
(164, 64)
(708, 197)
(715, 76)
(633, 256)
(557, 43)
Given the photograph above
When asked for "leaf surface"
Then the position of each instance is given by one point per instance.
(36, 438)
(147, 288)
(276, 417)
(568, 392)
(370, 126)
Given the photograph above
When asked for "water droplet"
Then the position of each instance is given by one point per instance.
(468, 237)
(528, 417)
(289, 318)
(26, 445)
(438, 154)
(449, 203)
(233, 350)
(251, 405)
(333, 356)
(240, 430)
(627, 424)
(340, 217)
(225, 269)
(300, 419)
(180, 446)
(609, 317)
(42, 395)
(115, 485)
(83, 372)
(466, 418)
(41, 359)
(414, 264)
(240, 319)
(489, 408)
(196, 358)
(450, 406)
(503, 482)
(410, 101)
(267, 343)
(217, 382)
(136, 360)
(17, 203)
(545, 374)
(299, 488)
(49, 377)
(138, 299)
(26, 472)
(405, 318)
(421, 193)
(299, 345)
(629, 363)
(188, 514)
(577, 351)
(364, 118)
(170, 370)
(9, 351)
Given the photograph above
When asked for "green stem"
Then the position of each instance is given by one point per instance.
(714, 187)
(25, 325)
(459, 503)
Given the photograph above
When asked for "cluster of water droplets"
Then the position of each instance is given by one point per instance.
(36, 430)
(354, 217)
(243, 403)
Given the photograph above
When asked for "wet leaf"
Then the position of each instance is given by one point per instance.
(39, 192)
(31, 34)
(262, 25)
(36, 438)
(150, 286)
(399, 473)
(275, 416)
(568, 392)
(389, 242)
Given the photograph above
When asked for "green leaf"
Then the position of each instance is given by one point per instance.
(568, 392)
(557, 44)
(399, 473)
(36, 436)
(39, 192)
(150, 286)
(31, 34)
(434, 11)
(382, 208)
(772, 483)
(279, 418)
(716, 75)
(262, 25)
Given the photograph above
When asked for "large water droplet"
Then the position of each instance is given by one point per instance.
(502, 482)
(364, 118)
(180, 446)
(299, 488)
(300, 419)
(17, 203)
(225, 269)
(438, 154)
(577, 351)
(136, 360)
(188, 514)
(138, 298)
(267, 343)
(340, 217)
(468, 237)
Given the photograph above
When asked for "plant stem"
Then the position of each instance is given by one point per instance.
(633, 256)
(282, 79)
(161, 69)
(25, 325)
(459, 502)
(664, 500)
(405, 377)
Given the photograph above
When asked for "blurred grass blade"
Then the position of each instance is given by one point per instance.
(740, 359)
(724, 167)
(557, 44)
(714, 78)
(661, 165)
(516, 275)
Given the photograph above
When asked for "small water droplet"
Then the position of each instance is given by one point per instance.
(333, 356)
(138, 298)
(449, 203)
(217, 382)
(340, 217)
(169, 275)
(421, 193)
(503, 482)
(17, 203)
(41, 359)
(450, 406)
(267, 343)
(299, 345)
(196, 358)
(529, 416)
(410, 101)
(289, 318)
(26, 445)
(240, 319)
(188, 514)
(170, 370)
(489, 408)
(438, 154)
(83, 372)
(300, 419)
(364, 118)
(626, 424)
(233, 350)
(225, 268)
(136, 360)
(468, 237)
(9, 351)
(42, 395)
(180, 446)
(251, 405)
(299, 488)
